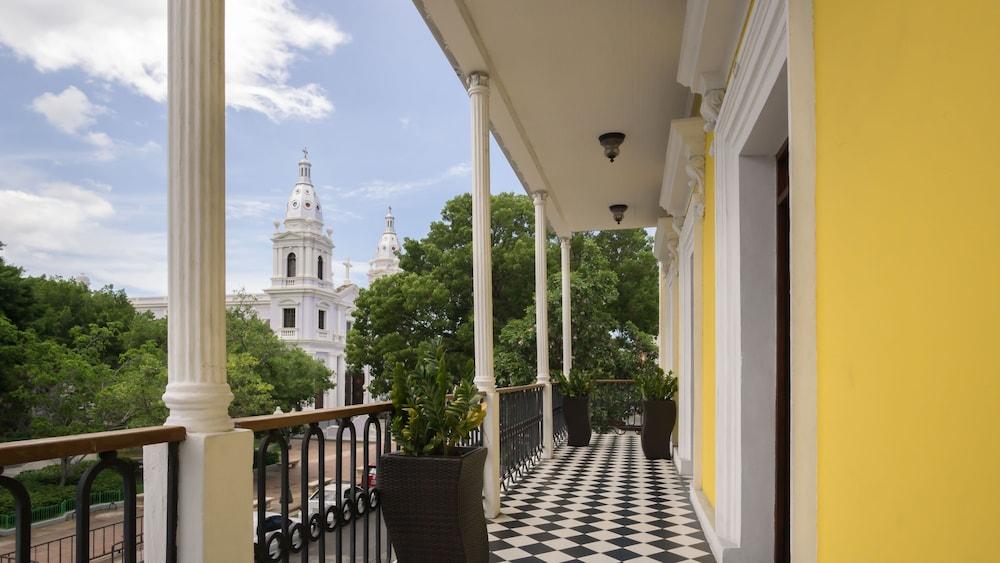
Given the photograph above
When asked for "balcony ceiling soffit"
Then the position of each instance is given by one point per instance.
(563, 72)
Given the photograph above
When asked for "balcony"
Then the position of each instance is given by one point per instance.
(604, 502)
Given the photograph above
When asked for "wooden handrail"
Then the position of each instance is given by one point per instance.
(300, 418)
(516, 388)
(26, 451)
(614, 381)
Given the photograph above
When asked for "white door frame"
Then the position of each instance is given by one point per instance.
(689, 260)
(752, 126)
(671, 280)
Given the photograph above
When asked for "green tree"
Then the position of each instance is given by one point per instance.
(613, 283)
(58, 387)
(631, 253)
(134, 395)
(251, 395)
(15, 294)
(294, 377)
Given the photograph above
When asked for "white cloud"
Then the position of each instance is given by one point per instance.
(244, 208)
(72, 112)
(59, 228)
(405, 122)
(382, 190)
(69, 111)
(125, 42)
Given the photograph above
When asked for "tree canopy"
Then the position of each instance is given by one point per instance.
(77, 360)
(613, 288)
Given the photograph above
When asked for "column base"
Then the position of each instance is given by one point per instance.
(215, 498)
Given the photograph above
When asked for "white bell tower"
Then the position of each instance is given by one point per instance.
(307, 308)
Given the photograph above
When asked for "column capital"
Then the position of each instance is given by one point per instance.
(539, 197)
(711, 104)
(478, 83)
(565, 241)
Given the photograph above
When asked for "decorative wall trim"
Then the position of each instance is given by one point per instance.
(684, 156)
(802, 172)
(743, 502)
(706, 516)
(711, 103)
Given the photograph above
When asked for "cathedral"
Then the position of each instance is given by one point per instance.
(304, 304)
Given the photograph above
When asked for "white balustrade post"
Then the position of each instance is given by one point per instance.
(482, 286)
(542, 320)
(215, 461)
(567, 323)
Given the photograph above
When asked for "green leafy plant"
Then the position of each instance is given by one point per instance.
(654, 384)
(578, 384)
(427, 421)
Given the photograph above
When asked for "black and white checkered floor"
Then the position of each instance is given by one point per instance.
(605, 502)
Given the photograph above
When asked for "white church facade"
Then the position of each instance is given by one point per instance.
(304, 304)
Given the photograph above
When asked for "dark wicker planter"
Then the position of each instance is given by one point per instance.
(433, 506)
(657, 426)
(577, 413)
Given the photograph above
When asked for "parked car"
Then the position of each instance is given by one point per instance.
(272, 526)
(330, 499)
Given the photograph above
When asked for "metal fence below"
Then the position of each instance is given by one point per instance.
(520, 431)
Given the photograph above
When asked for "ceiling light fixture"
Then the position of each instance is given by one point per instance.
(611, 143)
(618, 212)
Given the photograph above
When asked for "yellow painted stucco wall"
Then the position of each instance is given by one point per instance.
(907, 280)
(708, 331)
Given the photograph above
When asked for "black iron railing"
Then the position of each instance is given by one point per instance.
(345, 510)
(520, 430)
(558, 418)
(615, 406)
(106, 541)
(106, 445)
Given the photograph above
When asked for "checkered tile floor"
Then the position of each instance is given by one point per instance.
(605, 502)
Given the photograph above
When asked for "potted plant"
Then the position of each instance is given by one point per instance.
(432, 489)
(658, 409)
(576, 405)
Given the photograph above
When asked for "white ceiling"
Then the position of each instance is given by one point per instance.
(563, 72)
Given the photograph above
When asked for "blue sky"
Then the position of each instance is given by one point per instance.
(83, 132)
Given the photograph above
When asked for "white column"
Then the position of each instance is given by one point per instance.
(567, 323)
(215, 460)
(542, 320)
(482, 286)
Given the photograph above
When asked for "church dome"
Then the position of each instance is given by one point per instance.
(303, 207)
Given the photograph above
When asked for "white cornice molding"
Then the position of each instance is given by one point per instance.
(761, 59)
(708, 41)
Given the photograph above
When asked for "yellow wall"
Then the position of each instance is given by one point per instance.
(908, 280)
(708, 332)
